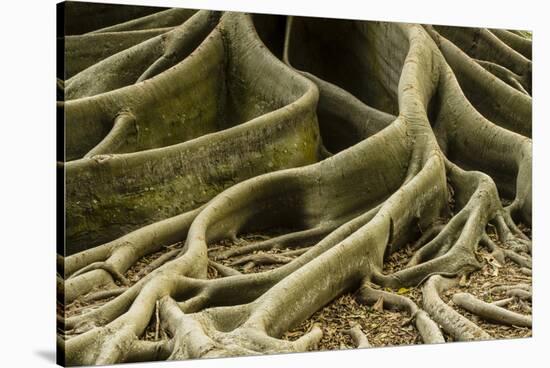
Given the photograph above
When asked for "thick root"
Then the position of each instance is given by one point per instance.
(456, 325)
(359, 338)
(163, 158)
(426, 326)
(491, 312)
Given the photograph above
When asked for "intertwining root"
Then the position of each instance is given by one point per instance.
(228, 175)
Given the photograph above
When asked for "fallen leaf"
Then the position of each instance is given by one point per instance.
(402, 291)
(463, 280)
(379, 305)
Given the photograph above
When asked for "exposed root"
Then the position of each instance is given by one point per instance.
(123, 129)
(164, 177)
(426, 326)
(491, 312)
(359, 338)
(518, 42)
(295, 239)
(526, 271)
(427, 235)
(505, 75)
(260, 258)
(224, 271)
(456, 325)
(496, 252)
(142, 351)
(509, 234)
(520, 294)
(165, 18)
(158, 262)
(522, 261)
(501, 288)
(196, 335)
(102, 266)
(500, 253)
(179, 44)
(103, 294)
(503, 302)
(439, 244)
(122, 253)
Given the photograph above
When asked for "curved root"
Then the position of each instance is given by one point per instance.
(456, 325)
(426, 326)
(408, 162)
(490, 312)
(359, 338)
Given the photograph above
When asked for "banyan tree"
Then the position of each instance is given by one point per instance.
(228, 175)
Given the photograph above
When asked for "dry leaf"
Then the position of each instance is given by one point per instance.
(379, 305)
(402, 291)
(463, 280)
